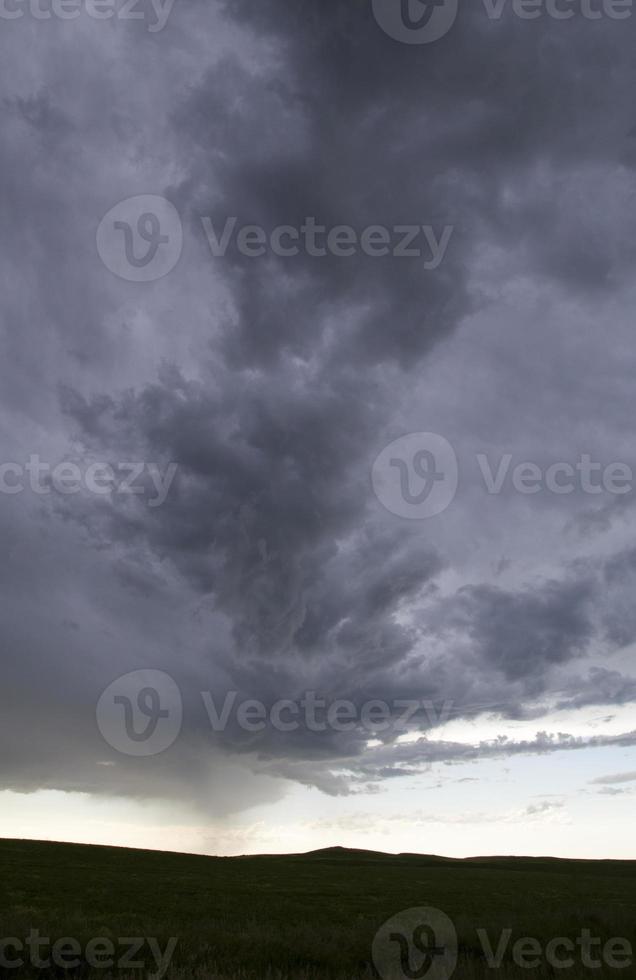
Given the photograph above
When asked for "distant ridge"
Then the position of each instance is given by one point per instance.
(334, 853)
(346, 853)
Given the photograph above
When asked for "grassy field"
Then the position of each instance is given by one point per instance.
(297, 917)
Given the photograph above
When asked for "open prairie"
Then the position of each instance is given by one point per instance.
(291, 917)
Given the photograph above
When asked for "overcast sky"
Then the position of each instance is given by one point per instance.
(371, 475)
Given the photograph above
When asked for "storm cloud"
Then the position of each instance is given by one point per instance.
(274, 382)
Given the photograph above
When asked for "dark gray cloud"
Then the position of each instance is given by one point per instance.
(522, 634)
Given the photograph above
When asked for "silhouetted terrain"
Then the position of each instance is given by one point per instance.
(297, 916)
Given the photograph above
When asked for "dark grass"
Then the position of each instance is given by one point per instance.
(307, 916)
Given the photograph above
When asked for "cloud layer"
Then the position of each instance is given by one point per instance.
(273, 383)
